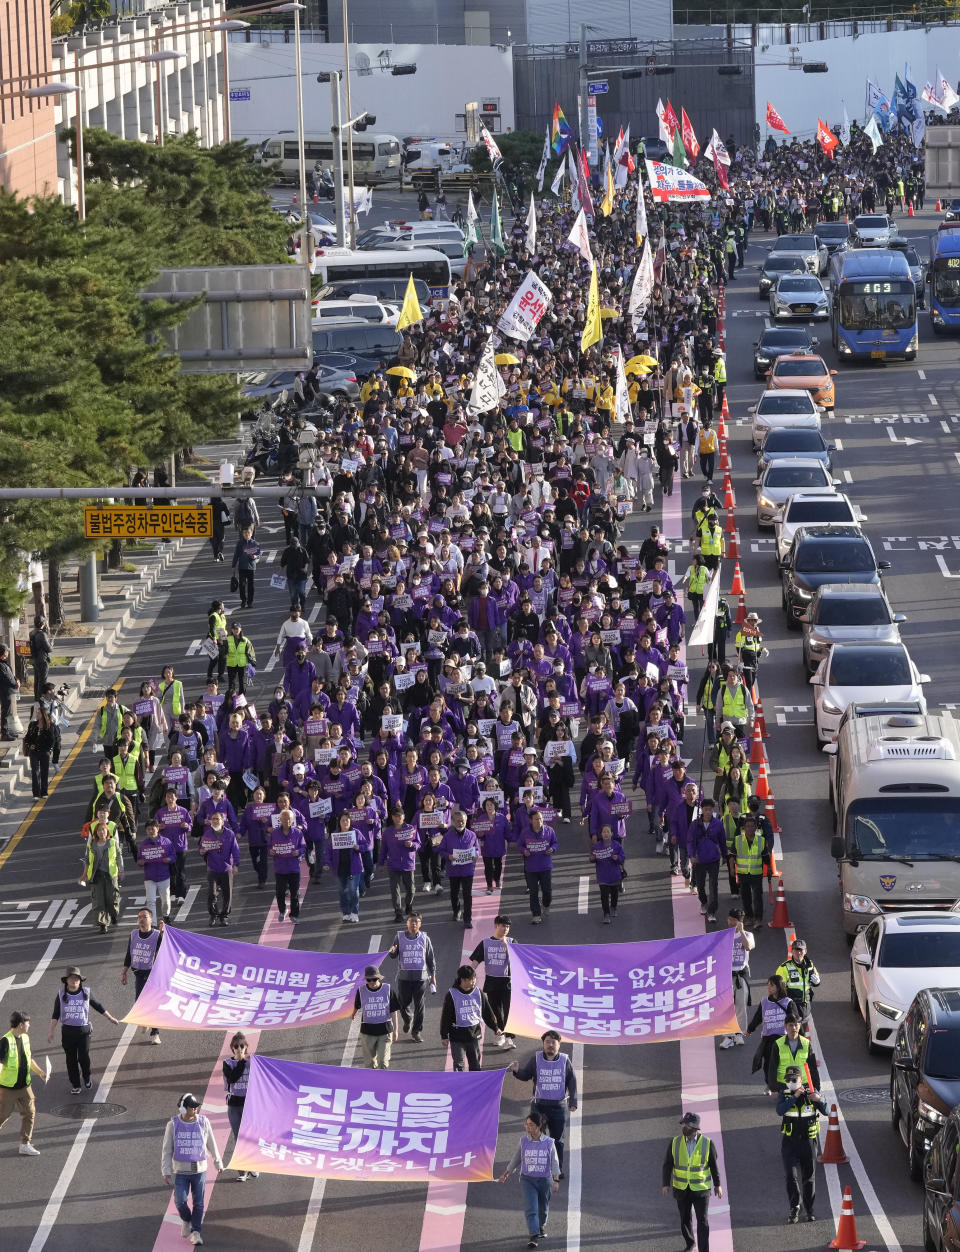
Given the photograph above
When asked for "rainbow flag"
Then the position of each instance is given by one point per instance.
(560, 132)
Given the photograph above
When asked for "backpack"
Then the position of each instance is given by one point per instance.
(244, 514)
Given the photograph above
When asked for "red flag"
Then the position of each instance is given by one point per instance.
(721, 173)
(583, 184)
(825, 138)
(774, 120)
(689, 138)
(670, 120)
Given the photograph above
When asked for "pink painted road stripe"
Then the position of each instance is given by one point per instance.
(274, 935)
(699, 1088)
(446, 1206)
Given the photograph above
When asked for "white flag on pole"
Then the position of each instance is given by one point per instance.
(845, 129)
(522, 315)
(574, 180)
(531, 236)
(641, 227)
(716, 146)
(642, 288)
(622, 401)
(488, 386)
(872, 132)
(705, 625)
(558, 179)
(580, 237)
(545, 156)
(945, 96)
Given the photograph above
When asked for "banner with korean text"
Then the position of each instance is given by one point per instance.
(321, 1121)
(201, 983)
(625, 992)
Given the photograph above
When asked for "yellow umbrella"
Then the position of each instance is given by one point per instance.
(402, 372)
(637, 369)
(506, 358)
(641, 360)
(606, 313)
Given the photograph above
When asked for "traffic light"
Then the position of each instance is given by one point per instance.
(399, 70)
(368, 119)
(815, 67)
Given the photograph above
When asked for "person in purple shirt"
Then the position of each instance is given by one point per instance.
(461, 852)
(683, 798)
(343, 853)
(486, 619)
(706, 841)
(537, 846)
(216, 803)
(492, 831)
(608, 856)
(398, 851)
(175, 823)
(298, 679)
(671, 618)
(464, 786)
(257, 833)
(344, 713)
(600, 808)
(287, 848)
(237, 755)
(221, 854)
(156, 855)
(314, 827)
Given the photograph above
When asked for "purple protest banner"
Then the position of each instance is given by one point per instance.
(321, 1121)
(202, 983)
(625, 992)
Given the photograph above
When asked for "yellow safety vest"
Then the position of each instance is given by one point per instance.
(749, 856)
(812, 1123)
(749, 643)
(711, 541)
(237, 651)
(785, 1057)
(708, 441)
(515, 439)
(733, 705)
(111, 858)
(126, 772)
(176, 699)
(218, 626)
(796, 977)
(697, 580)
(720, 370)
(103, 718)
(11, 1066)
(691, 1169)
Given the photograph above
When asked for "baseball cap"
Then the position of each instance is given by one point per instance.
(691, 1119)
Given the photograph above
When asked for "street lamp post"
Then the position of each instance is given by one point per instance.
(346, 80)
(157, 58)
(306, 233)
(58, 90)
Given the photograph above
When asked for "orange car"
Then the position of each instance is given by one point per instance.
(807, 371)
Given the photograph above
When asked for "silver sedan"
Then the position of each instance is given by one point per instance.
(781, 480)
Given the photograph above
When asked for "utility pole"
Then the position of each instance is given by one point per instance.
(336, 130)
(584, 90)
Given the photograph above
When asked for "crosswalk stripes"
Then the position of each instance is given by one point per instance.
(194, 648)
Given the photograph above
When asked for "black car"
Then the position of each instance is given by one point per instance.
(824, 554)
(941, 1189)
(774, 266)
(925, 1079)
(832, 235)
(777, 342)
(356, 338)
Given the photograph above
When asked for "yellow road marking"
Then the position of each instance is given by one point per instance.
(37, 809)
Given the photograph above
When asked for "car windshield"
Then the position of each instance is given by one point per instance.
(871, 219)
(789, 339)
(905, 949)
(772, 403)
(789, 283)
(794, 441)
(783, 264)
(920, 828)
(819, 511)
(795, 476)
(832, 230)
(818, 556)
(800, 369)
(911, 257)
(942, 1058)
(869, 667)
(794, 243)
(853, 611)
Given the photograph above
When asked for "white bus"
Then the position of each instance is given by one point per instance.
(376, 158)
(433, 267)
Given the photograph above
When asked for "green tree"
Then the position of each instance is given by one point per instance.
(521, 149)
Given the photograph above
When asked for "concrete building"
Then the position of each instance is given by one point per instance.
(28, 145)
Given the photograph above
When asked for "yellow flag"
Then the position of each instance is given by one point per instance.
(593, 327)
(411, 311)
(606, 205)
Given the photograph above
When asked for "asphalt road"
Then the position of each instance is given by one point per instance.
(100, 1179)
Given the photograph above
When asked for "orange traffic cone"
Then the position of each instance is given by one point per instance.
(724, 458)
(846, 1240)
(833, 1153)
(316, 198)
(731, 525)
(781, 920)
(772, 871)
(741, 610)
(756, 747)
(733, 550)
(724, 409)
(294, 197)
(910, 212)
(758, 714)
(939, 210)
(736, 586)
(762, 788)
(722, 429)
(729, 499)
(772, 816)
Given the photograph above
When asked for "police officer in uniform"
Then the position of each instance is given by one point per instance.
(689, 1171)
(464, 1008)
(554, 1087)
(71, 1009)
(801, 976)
(749, 645)
(414, 950)
(142, 948)
(799, 1111)
(378, 1006)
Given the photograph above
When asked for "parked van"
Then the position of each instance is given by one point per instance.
(895, 787)
(363, 307)
(378, 343)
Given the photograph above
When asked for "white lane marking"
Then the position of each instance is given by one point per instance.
(189, 900)
(838, 444)
(781, 719)
(194, 648)
(907, 439)
(269, 556)
(573, 1156)
(943, 567)
(932, 398)
(9, 983)
(847, 476)
(314, 1204)
(271, 663)
(65, 1181)
(945, 427)
(921, 375)
(583, 894)
(314, 612)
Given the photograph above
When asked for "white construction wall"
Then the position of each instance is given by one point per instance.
(426, 104)
(801, 98)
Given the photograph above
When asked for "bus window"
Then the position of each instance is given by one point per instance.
(363, 151)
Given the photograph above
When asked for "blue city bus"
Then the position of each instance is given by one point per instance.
(944, 279)
(874, 305)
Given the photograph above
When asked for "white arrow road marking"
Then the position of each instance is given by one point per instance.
(838, 443)
(10, 982)
(908, 440)
(943, 567)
